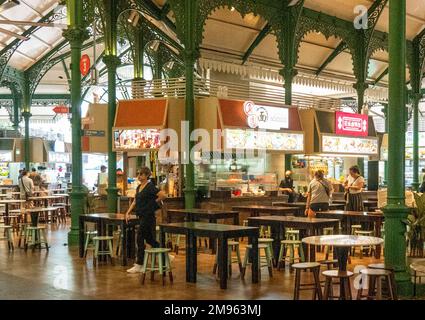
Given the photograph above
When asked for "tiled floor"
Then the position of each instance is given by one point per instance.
(61, 274)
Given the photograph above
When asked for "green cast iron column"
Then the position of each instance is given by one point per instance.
(190, 56)
(26, 113)
(416, 97)
(16, 106)
(112, 62)
(385, 111)
(76, 34)
(396, 211)
(288, 73)
(139, 51)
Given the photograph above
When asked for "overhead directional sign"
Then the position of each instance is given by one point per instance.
(93, 133)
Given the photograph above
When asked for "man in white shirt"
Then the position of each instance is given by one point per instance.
(26, 185)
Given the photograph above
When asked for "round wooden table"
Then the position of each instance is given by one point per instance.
(342, 244)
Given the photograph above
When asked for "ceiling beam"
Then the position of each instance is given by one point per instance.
(342, 45)
(155, 11)
(260, 37)
(41, 96)
(381, 76)
(340, 48)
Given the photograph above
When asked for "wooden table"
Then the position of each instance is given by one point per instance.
(348, 218)
(103, 219)
(6, 207)
(342, 245)
(222, 232)
(307, 227)
(46, 199)
(256, 210)
(301, 206)
(368, 204)
(200, 214)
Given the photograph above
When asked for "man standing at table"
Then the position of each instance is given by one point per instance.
(287, 186)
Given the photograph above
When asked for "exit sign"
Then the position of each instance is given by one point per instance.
(94, 133)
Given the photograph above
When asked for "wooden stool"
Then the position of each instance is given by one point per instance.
(375, 277)
(344, 281)
(292, 244)
(36, 236)
(268, 258)
(355, 227)
(269, 242)
(292, 234)
(363, 233)
(327, 231)
(163, 266)
(8, 230)
(231, 245)
(392, 276)
(315, 286)
(89, 243)
(418, 269)
(22, 233)
(330, 264)
(108, 252)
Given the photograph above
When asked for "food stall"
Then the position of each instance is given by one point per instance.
(334, 142)
(10, 150)
(136, 136)
(254, 141)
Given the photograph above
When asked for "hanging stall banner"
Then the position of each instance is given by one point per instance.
(61, 109)
(84, 65)
(351, 124)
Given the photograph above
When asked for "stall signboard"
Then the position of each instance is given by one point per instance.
(265, 117)
(349, 145)
(263, 140)
(61, 157)
(6, 156)
(136, 139)
(351, 124)
(94, 133)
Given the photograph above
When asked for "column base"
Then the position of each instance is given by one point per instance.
(77, 208)
(112, 199)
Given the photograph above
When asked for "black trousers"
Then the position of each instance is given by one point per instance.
(147, 232)
(319, 206)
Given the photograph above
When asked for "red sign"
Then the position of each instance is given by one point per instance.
(85, 65)
(61, 109)
(351, 124)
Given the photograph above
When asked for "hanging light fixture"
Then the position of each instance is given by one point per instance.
(132, 16)
(154, 46)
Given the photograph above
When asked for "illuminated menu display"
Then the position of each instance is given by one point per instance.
(349, 145)
(140, 139)
(251, 139)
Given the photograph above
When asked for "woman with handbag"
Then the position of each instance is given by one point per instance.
(353, 190)
(318, 194)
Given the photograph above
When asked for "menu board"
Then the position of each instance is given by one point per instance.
(349, 145)
(5, 156)
(139, 139)
(264, 140)
(409, 139)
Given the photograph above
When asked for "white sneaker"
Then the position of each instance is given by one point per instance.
(136, 268)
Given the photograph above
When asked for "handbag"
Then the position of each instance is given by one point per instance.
(348, 191)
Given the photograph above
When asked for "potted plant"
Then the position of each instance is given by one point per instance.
(416, 227)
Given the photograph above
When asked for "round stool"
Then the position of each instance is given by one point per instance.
(418, 269)
(344, 281)
(36, 236)
(267, 262)
(375, 279)
(269, 242)
(330, 264)
(292, 234)
(363, 233)
(315, 286)
(8, 230)
(163, 266)
(107, 252)
(327, 231)
(231, 245)
(22, 233)
(291, 244)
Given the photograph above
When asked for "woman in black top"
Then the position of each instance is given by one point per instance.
(146, 203)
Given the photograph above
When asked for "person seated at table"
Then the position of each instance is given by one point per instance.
(146, 202)
(287, 186)
(318, 193)
(353, 190)
(26, 186)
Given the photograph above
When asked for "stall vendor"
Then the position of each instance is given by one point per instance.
(287, 186)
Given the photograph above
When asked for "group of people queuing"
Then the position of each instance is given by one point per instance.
(319, 191)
